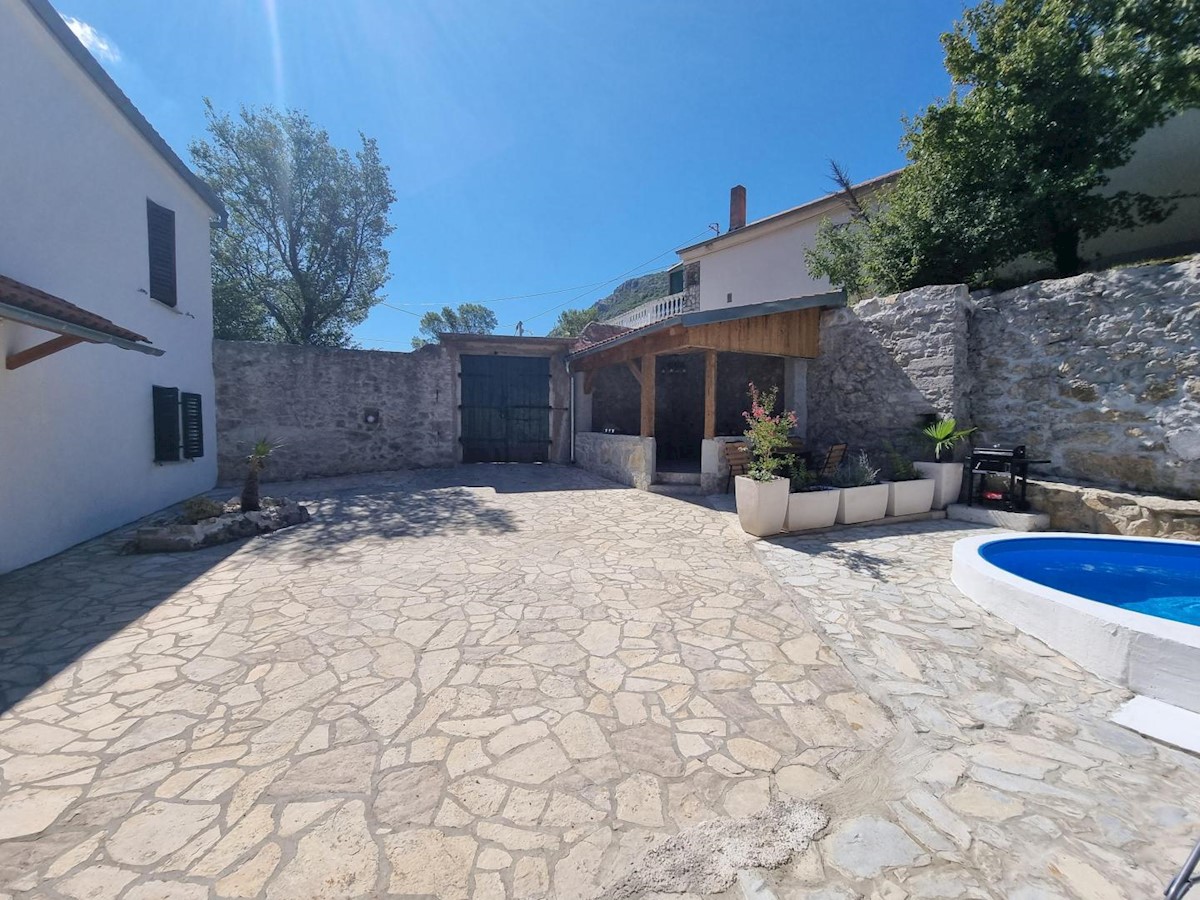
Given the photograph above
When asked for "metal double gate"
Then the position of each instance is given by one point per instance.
(505, 408)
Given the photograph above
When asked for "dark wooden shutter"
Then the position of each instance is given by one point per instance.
(160, 227)
(193, 426)
(166, 424)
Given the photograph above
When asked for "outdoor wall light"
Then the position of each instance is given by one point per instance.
(371, 416)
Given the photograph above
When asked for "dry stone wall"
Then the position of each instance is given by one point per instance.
(334, 411)
(1099, 373)
(619, 457)
(1078, 507)
(884, 365)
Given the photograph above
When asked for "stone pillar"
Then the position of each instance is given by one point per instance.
(583, 404)
(795, 392)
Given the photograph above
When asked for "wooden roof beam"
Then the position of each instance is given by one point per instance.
(41, 351)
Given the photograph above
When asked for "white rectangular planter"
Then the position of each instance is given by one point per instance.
(862, 504)
(947, 477)
(812, 509)
(907, 498)
(761, 505)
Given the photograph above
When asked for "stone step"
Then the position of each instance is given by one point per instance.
(677, 477)
(677, 490)
(999, 518)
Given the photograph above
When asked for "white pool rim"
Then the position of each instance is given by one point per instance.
(1154, 657)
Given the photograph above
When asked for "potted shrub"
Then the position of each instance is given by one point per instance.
(862, 497)
(944, 434)
(762, 496)
(810, 505)
(909, 492)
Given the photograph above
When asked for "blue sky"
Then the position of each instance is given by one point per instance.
(543, 145)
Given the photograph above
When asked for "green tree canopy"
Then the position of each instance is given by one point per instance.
(1049, 97)
(302, 259)
(571, 322)
(468, 318)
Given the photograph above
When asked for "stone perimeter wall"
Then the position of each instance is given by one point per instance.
(883, 364)
(316, 401)
(1099, 373)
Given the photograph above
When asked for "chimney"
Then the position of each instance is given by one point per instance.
(737, 207)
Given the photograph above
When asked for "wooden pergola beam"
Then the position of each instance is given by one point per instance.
(793, 333)
(671, 340)
(710, 394)
(41, 351)
(648, 369)
(635, 371)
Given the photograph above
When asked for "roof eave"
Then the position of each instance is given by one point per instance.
(831, 300)
(62, 32)
(461, 336)
(781, 218)
(58, 326)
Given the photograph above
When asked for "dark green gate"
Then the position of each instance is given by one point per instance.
(505, 408)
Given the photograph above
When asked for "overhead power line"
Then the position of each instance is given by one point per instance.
(624, 274)
(586, 289)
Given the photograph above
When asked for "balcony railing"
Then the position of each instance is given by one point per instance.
(655, 311)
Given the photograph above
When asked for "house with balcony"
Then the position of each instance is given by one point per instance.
(106, 387)
(670, 389)
(743, 307)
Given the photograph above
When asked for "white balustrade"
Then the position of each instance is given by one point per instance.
(654, 311)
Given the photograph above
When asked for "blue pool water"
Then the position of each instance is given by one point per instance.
(1146, 576)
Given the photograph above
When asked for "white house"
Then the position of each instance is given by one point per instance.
(763, 261)
(106, 392)
(649, 405)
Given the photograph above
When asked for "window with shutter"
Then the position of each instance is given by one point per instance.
(166, 424)
(193, 426)
(676, 282)
(160, 226)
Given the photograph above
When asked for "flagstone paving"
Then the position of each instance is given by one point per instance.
(1004, 768)
(510, 681)
(483, 682)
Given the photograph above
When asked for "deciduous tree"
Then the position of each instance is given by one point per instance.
(1049, 98)
(468, 318)
(571, 322)
(302, 258)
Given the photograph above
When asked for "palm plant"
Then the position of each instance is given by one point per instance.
(255, 463)
(902, 467)
(945, 433)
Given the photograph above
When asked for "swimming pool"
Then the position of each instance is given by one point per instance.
(1150, 577)
(1127, 609)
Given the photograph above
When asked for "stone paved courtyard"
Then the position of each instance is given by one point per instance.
(510, 681)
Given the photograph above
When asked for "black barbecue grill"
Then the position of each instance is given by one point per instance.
(996, 477)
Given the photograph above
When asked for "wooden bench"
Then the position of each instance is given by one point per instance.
(738, 457)
(833, 459)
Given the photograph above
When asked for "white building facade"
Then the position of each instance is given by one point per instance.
(763, 261)
(101, 214)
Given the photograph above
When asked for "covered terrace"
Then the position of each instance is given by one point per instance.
(663, 398)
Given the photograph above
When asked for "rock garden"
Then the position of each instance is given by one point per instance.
(206, 522)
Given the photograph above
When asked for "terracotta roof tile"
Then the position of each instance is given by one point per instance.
(32, 300)
(597, 333)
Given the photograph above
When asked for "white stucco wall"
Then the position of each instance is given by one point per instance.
(1166, 161)
(764, 264)
(76, 428)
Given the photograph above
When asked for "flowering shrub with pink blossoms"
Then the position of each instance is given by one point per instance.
(766, 433)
